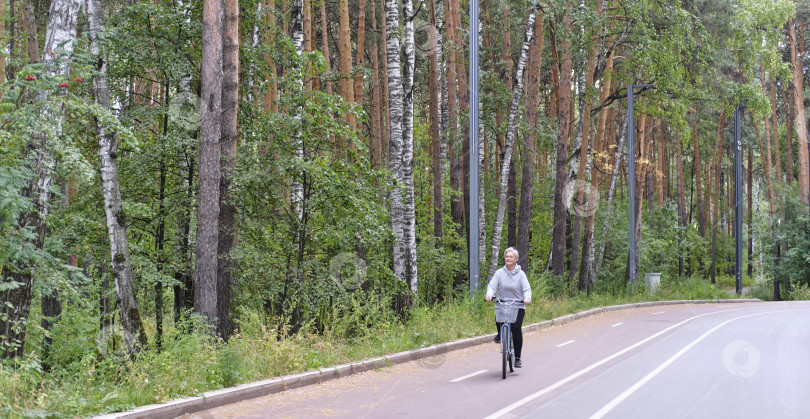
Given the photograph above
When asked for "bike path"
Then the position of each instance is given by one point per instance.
(467, 383)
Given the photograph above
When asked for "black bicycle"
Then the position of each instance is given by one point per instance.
(506, 312)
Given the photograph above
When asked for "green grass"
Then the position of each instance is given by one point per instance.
(191, 363)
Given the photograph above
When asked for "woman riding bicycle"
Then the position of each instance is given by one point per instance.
(510, 283)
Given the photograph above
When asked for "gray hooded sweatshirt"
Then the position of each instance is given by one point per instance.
(510, 285)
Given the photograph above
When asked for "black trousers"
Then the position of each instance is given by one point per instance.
(517, 332)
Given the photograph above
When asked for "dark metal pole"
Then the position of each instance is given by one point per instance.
(631, 177)
(473, 147)
(738, 196)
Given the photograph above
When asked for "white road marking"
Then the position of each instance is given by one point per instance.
(617, 324)
(595, 365)
(455, 380)
(627, 393)
(565, 343)
(660, 312)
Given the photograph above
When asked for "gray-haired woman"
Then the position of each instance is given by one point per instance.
(510, 283)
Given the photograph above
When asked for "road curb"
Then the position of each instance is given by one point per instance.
(221, 397)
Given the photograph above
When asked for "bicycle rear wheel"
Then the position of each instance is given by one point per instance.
(505, 348)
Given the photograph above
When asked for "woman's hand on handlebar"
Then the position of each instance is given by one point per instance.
(488, 299)
(527, 301)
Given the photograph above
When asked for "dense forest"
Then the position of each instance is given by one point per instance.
(205, 167)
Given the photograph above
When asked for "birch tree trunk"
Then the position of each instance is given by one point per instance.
(61, 32)
(134, 334)
(527, 175)
(617, 161)
(400, 94)
(205, 271)
(510, 140)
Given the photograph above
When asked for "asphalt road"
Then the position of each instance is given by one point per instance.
(682, 361)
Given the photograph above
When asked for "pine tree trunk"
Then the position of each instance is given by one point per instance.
(361, 50)
(587, 274)
(271, 95)
(510, 139)
(701, 218)
(775, 131)
(456, 208)
(799, 117)
(227, 208)
(134, 334)
(682, 225)
(375, 119)
(718, 160)
(530, 148)
(563, 118)
(205, 271)
(31, 32)
(789, 127)
(325, 45)
(345, 57)
(435, 139)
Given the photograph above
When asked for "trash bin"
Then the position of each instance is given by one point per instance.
(652, 281)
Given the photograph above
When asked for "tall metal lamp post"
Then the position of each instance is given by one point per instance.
(473, 219)
(631, 177)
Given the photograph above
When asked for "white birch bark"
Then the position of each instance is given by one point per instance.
(296, 187)
(611, 190)
(510, 140)
(61, 33)
(134, 335)
(400, 93)
(482, 209)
